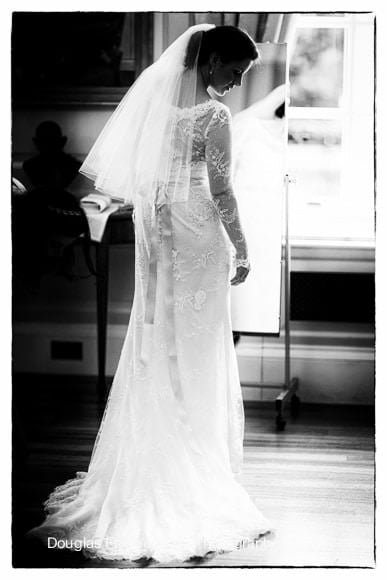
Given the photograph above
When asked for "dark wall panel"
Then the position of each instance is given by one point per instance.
(333, 297)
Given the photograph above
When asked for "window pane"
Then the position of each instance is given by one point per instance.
(314, 157)
(316, 68)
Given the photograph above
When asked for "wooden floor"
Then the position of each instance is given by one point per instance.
(314, 480)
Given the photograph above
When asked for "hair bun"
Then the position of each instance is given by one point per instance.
(193, 48)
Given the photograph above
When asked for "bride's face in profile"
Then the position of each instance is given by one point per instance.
(226, 76)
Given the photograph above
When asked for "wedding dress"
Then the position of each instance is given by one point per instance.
(162, 481)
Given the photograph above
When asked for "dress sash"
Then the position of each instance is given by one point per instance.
(161, 246)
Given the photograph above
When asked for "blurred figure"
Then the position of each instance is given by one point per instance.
(46, 218)
(52, 166)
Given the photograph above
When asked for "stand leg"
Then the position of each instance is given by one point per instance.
(102, 264)
(279, 420)
(289, 392)
(86, 254)
(291, 385)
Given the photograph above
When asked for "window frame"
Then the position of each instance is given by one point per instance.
(310, 209)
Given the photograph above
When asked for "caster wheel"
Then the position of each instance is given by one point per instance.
(280, 423)
(295, 404)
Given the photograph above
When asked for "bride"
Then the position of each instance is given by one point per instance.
(162, 479)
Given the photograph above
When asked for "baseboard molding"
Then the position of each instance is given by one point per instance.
(329, 375)
(333, 373)
(306, 351)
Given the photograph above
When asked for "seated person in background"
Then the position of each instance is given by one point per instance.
(47, 215)
(52, 166)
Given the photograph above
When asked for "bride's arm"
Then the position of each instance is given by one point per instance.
(219, 164)
(227, 207)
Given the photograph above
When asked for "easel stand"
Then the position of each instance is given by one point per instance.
(290, 385)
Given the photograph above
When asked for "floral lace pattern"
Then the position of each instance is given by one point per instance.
(161, 481)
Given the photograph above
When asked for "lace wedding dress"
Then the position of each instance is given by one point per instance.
(162, 477)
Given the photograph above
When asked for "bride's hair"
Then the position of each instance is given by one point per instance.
(228, 42)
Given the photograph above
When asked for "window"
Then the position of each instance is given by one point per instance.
(330, 127)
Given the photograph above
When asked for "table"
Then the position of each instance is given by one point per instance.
(119, 230)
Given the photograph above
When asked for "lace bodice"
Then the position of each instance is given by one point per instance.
(210, 124)
(211, 161)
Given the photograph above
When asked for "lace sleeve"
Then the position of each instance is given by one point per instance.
(219, 164)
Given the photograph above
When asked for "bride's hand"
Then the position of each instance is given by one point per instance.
(241, 274)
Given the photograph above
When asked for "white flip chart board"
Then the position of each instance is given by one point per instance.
(259, 165)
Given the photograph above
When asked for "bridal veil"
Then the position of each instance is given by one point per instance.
(142, 152)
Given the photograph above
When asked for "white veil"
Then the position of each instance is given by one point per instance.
(143, 152)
